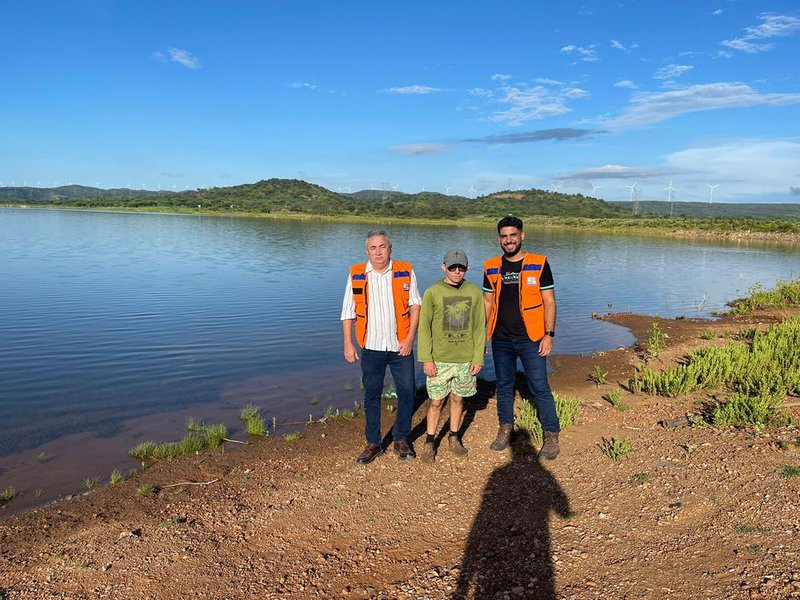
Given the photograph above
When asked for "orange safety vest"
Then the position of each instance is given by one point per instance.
(401, 287)
(531, 305)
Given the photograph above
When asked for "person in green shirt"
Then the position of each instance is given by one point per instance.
(450, 344)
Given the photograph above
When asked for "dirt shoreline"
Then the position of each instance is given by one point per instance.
(280, 519)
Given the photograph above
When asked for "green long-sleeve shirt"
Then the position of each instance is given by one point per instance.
(452, 324)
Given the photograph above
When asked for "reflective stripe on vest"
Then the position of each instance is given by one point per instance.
(531, 305)
(401, 289)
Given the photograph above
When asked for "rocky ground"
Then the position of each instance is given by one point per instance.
(693, 512)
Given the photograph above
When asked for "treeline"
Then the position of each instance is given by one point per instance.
(293, 196)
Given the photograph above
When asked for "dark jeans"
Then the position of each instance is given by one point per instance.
(504, 354)
(373, 372)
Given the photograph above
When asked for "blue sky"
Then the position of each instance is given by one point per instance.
(467, 97)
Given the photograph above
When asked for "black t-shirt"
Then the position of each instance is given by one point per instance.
(509, 324)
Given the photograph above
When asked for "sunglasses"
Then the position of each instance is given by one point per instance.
(455, 268)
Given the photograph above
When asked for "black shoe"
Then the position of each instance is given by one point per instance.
(370, 453)
(403, 450)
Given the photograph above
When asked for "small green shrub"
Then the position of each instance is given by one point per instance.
(292, 437)
(116, 477)
(783, 295)
(598, 375)
(146, 490)
(44, 457)
(744, 409)
(91, 482)
(7, 495)
(616, 448)
(567, 408)
(642, 478)
(614, 397)
(788, 471)
(655, 341)
(707, 335)
(253, 420)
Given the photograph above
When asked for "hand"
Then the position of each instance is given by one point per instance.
(545, 345)
(406, 346)
(350, 353)
(430, 369)
(475, 369)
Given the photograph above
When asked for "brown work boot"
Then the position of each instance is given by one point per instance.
(370, 453)
(550, 448)
(403, 450)
(503, 437)
(455, 446)
(428, 453)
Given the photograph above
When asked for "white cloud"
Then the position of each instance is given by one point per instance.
(617, 45)
(183, 57)
(418, 149)
(749, 166)
(534, 103)
(612, 172)
(648, 108)
(717, 12)
(585, 54)
(626, 83)
(671, 71)
(546, 81)
(500, 77)
(481, 92)
(302, 85)
(771, 26)
(575, 93)
(413, 89)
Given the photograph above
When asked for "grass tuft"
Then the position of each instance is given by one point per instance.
(567, 408)
(91, 482)
(116, 477)
(598, 375)
(786, 293)
(616, 448)
(614, 398)
(44, 457)
(655, 341)
(147, 490)
(253, 420)
(292, 437)
(787, 471)
(8, 495)
(643, 478)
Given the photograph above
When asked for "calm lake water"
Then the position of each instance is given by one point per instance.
(118, 326)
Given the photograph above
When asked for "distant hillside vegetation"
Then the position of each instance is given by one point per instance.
(294, 196)
(704, 210)
(67, 192)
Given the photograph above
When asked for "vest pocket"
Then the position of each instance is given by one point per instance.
(532, 307)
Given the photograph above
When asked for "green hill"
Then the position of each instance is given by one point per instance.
(68, 192)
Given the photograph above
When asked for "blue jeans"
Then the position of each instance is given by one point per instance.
(504, 354)
(373, 373)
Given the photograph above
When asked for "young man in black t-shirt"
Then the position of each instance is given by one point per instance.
(519, 295)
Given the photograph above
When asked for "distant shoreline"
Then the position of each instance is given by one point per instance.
(678, 228)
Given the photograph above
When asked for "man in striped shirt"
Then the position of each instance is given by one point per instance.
(382, 303)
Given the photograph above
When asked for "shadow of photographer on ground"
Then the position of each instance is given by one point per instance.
(508, 548)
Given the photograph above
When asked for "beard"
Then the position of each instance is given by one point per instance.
(512, 250)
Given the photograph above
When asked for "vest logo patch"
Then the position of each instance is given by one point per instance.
(406, 287)
(531, 280)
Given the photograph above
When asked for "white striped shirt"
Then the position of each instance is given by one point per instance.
(381, 320)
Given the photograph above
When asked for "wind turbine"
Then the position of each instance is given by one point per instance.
(447, 189)
(669, 189)
(347, 187)
(471, 189)
(711, 189)
(395, 187)
(634, 202)
(594, 190)
(557, 186)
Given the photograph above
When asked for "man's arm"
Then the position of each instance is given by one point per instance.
(549, 301)
(348, 320)
(488, 298)
(425, 335)
(350, 352)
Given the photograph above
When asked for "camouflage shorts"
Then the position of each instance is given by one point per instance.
(452, 377)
